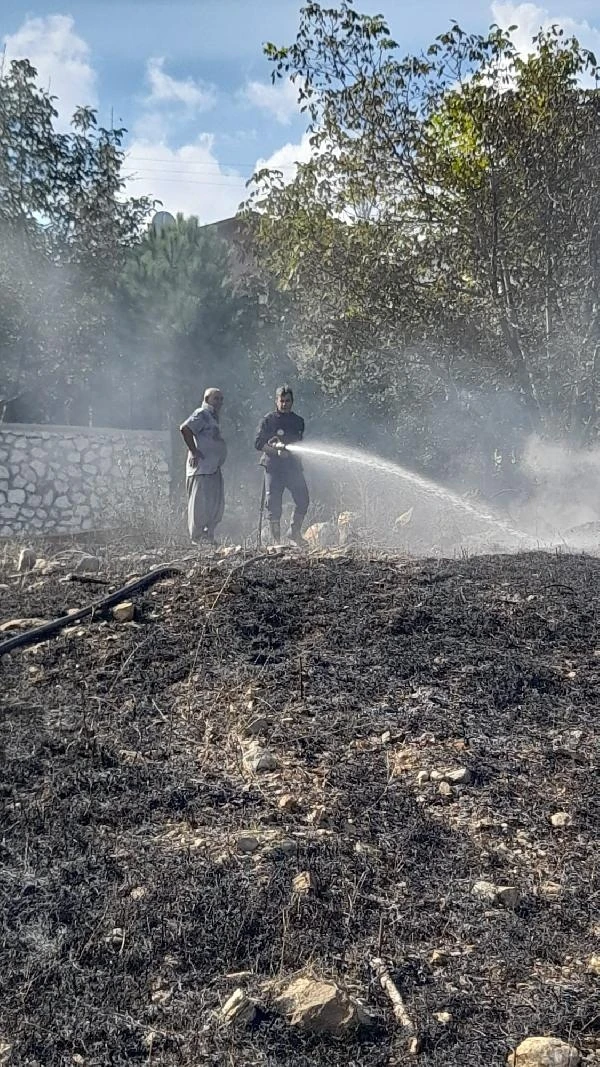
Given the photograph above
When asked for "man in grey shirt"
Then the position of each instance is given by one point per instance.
(207, 452)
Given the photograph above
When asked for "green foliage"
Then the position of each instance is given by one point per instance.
(65, 227)
(435, 264)
(101, 315)
(179, 279)
(442, 242)
(181, 314)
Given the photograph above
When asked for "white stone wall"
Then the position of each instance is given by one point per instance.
(56, 479)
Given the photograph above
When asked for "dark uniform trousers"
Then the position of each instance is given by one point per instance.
(282, 473)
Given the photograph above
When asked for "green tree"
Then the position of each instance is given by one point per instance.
(180, 297)
(441, 244)
(65, 227)
(189, 320)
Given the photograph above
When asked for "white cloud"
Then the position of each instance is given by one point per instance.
(189, 179)
(279, 99)
(61, 58)
(164, 89)
(530, 18)
(288, 156)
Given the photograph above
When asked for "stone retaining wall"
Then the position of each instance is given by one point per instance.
(65, 479)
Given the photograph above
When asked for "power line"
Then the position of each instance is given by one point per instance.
(189, 173)
(190, 162)
(132, 159)
(180, 181)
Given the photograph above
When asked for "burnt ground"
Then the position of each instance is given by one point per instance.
(129, 913)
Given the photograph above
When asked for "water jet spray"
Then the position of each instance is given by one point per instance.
(424, 485)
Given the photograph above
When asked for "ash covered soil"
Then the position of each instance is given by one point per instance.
(147, 870)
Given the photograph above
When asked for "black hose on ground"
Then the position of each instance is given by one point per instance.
(48, 629)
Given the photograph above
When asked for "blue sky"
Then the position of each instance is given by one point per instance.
(190, 82)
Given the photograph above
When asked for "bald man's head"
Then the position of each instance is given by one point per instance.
(214, 397)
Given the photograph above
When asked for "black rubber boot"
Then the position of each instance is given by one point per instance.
(275, 532)
(295, 535)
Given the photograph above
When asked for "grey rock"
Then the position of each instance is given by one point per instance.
(485, 891)
(238, 1009)
(16, 496)
(560, 820)
(443, 1017)
(247, 843)
(508, 896)
(124, 612)
(544, 1052)
(321, 1007)
(305, 884)
(458, 776)
(259, 759)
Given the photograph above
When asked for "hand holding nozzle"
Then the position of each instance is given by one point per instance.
(277, 443)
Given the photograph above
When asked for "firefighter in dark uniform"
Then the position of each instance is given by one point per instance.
(283, 469)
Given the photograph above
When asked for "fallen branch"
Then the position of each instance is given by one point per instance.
(389, 987)
(87, 579)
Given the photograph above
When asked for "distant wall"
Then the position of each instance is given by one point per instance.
(65, 479)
